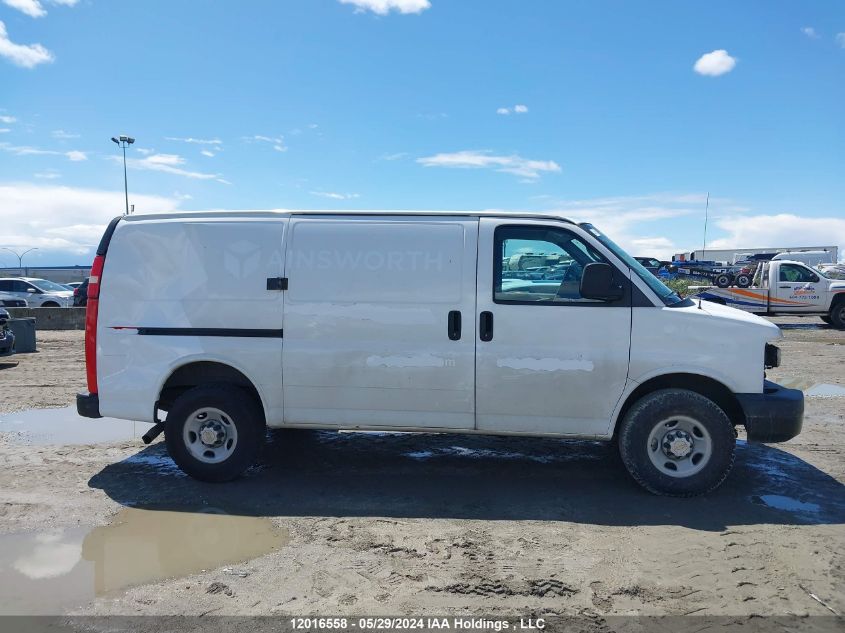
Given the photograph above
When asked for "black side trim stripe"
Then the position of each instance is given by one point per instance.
(208, 331)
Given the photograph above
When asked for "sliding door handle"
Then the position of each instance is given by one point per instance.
(485, 326)
(454, 325)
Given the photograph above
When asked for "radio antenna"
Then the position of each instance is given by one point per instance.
(704, 242)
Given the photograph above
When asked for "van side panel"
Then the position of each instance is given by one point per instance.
(191, 276)
(366, 322)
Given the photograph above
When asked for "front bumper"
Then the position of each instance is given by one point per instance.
(776, 415)
(88, 405)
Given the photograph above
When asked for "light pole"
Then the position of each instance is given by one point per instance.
(20, 256)
(122, 141)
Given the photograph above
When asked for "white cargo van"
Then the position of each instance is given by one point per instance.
(424, 321)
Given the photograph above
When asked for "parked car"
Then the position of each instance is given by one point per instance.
(38, 293)
(7, 337)
(404, 321)
(8, 300)
(657, 266)
(80, 294)
(73, 285)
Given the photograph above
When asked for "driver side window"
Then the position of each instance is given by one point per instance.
(539, 265)
(796, 274)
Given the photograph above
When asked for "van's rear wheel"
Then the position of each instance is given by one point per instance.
(214, 432)
(678, 443)
(723, 281)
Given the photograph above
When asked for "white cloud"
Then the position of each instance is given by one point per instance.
(391, 157)
(383, 7)
(64, 135)
(3, 130)
(196, 141)
(810, 32)
(642, 225)
(665, 223)
(68, 221)
(169, 164)
(278, 142)
(335, 196)
(32, 8)
(517, 109)
(5, 118)
(26, 150)
(840, 39)
(23, 55)
(484, 159)
(715, 63)
(48, 175)
(782, 229)
(208, 153)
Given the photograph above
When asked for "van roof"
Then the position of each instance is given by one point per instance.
(274, 213)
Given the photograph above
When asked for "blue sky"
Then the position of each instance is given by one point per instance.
(621, 113)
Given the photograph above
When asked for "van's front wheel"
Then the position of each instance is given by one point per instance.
(677, 442)
(214, 432)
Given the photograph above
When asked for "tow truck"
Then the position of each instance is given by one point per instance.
(782, 287)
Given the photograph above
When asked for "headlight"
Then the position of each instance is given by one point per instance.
(771, 357)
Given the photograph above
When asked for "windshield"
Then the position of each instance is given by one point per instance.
(668, 296)
(48, 286)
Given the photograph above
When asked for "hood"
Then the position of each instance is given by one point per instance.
(768, 330)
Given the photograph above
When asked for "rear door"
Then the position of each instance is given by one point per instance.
(379, 325)
(548, 360)
(797, 289)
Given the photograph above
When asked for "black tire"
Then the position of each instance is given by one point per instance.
(723, 280)
(837, 315)
(648, 413)
(50, 304)
(743, 280)
(241, 411)
(826, 319)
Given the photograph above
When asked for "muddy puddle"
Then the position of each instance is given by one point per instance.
(66, 426)
(787, 504)
(53, 571)
(814, 389)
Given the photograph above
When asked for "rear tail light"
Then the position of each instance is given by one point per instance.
(91, 311)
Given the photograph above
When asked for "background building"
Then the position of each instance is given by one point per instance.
(729, 255)
(59, 274)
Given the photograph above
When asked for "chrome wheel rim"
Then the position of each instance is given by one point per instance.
(210, 435)
(679, 446)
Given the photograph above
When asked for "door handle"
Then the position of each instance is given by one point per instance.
(485, 326)
(454, 325)
(785, 287)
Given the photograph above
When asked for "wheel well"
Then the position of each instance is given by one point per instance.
(707, 387)
(203, 373)
(50, 304)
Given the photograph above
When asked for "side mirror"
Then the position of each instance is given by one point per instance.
(597, 283)
(32, 290)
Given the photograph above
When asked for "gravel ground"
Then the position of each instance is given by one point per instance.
(411, 524)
